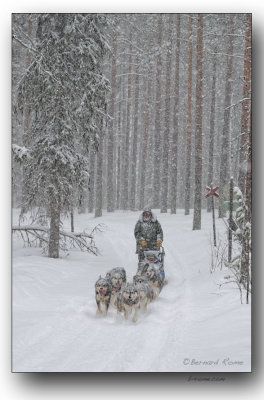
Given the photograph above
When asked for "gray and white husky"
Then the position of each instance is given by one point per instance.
(155, 279)
(103, 292)
(128, 300)
(120, 270)
(146, 295)
(117, 278)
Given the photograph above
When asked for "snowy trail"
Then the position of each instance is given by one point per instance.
(55, 326)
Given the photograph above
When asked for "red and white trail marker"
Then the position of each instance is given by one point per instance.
(211, 191)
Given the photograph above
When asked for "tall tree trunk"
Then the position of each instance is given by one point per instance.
(225, 149)
(143, 169)
(198, 128)
(165, 153)
(81, 202)
(249, 174)
(99, 178)
(54, 238)
(72, 219)
(189, 126)
(91, 181)
(118, 177)
(26, 119)
(110, 142)
(157, 140)
(175, 133)
(249, 152)
(122, 139)
(126, 150)
(246, 109)
(210, 176)
(122, 136)
(135, 141)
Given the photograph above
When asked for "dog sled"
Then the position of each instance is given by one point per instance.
(151, 255)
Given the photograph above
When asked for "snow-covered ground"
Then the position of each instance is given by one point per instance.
(192, 326)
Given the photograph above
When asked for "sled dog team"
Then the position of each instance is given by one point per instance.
(130, 298)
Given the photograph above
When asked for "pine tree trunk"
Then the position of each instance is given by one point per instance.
(135, 141)
(118, 177)
(249, 152)
(225, 149)
(128, 119)
(54, 238)
(189, 126)
(110, 142)
(175, 133)
(122, 137)
(246, 109)
(210, 176)
(143, 168)
(249, 176)
(157, 133)
(198, 128)
(91, 181)
(120, 160)
(99, 179)
(165, 153)
(26, 120)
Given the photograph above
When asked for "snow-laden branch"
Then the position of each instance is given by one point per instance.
(239, 102)
(20, 153)
(227, 55)
(81, 240)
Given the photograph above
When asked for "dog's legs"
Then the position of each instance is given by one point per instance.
(127, 312)
(99, 311)
(134, 319)
(143, 306)
(113, 299)
(156, 289)
(154, 292)
(106, 309)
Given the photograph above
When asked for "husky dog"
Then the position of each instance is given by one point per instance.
(146, 295)
(121, 271)
(117, 283)
(128, 300)
(137, 279)
(155, 279)
(103, 291)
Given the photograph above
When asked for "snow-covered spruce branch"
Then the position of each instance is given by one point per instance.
(20, 153)
(81, 240)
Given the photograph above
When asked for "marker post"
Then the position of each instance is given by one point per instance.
(212, 192)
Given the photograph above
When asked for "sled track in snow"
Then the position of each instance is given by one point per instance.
(56, 328)
(166, 315)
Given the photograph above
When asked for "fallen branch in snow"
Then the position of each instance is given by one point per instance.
(39, 236)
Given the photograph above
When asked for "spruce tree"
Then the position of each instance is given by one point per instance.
(65, 90)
